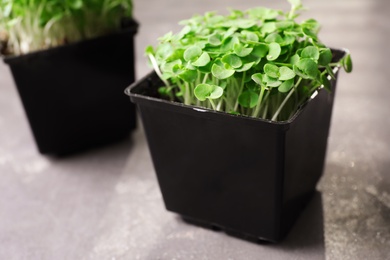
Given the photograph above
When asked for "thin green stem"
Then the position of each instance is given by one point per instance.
(206, 76)
(157, 69)
(282, 105)
(311, 91)
(334, 64)
(212, 104)
(257, 109)
(285, 100)
(284, 64)
(265, 111)
(240, 91)
(292, 12)
(187, 93)
(219, 104)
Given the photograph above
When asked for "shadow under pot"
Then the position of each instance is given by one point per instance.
(73, 94)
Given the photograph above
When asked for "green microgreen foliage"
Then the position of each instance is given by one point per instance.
(204, 91)
(29, 25)
(260, 62)
(203, 60)
(221, 72)
(285, 73)
(274, 51)
(192, 53)
(306, 68)
(271, 70)
(347, 63)
(248, 99)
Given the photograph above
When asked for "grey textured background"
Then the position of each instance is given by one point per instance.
(105, 203)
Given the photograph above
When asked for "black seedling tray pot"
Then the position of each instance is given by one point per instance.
(249, 177)
(73, 94)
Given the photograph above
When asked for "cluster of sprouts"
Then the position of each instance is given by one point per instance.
(30, 25)
(260, 62)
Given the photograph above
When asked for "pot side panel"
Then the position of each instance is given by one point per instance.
(73, 95)
(227, 175)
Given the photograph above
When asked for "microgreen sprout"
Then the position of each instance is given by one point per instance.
(29, 25)
(260, 62)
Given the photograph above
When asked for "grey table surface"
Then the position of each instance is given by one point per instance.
(106, 204)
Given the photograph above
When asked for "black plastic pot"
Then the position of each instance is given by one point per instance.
(249, 177)
(73, 94)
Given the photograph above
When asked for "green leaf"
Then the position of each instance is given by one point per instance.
(264, 13)
(325, 57)
(241, 23)
(273, 37)
(177, 69)
(236, 13)
(268, 28)
(76, 4)
(233, 60)
(149, 50)
(294, 59)
(284, 25)
(201, 44)
(230, 32)
(203, 60)
(215, 39)
(192, 53)
(288, 40)
(250, 36)
(286, 73)
(242, 51)
(330, 71)
(220, 72)
(309, 33)
(189, 75)
(246, 67)
(306, 68)
(274, 51)
(228, 44)
(223, 84)
(163, 51)
(207, 91)
(286, 86)
(176, 55)
(164, 91)
(311, 24)
(166, 38)
(168, 66)
(296, 32)
(260, 50)
(215, 19)
(234, 113)
(217, 93)
(271, 70)
(251, 58)
(248, 99)
(271, 82)
(186, 29)
(347, 63)
(258, 78)
(310, 52)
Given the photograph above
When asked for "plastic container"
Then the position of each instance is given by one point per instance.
(249, 177)
(73, 94)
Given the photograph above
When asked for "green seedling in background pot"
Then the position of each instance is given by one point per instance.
(260, 62)
(30, 25)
